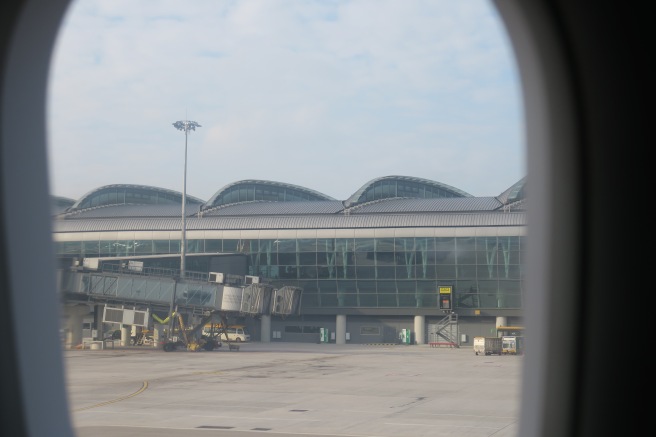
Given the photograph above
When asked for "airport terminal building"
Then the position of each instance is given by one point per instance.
(401, 253)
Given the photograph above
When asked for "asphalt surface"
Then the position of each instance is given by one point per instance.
(293, 389)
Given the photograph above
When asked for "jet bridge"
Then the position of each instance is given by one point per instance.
(160, 288)
(127, 293)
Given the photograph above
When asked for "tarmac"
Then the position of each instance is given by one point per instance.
(293, 389)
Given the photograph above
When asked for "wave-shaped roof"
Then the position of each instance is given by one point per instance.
(516, 193)
(253, 190)
(326, 207)
(60, 204)
(385, 195)
(402, 186)
(131, 194)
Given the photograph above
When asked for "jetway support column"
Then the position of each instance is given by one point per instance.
(98, 325)
(134, 332)
(125, 335)
(157, 333)
(340, 329)
(74, 321)
(420, 329)
(265, 329)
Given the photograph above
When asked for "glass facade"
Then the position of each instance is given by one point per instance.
(248, 192)
(114, 195)
(402, 187)
(388, 188)
(484, 272)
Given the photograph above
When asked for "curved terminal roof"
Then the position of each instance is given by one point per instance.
(515, 193)
(60, 204)
(454, 208)
(131, 194)
(253, 190)
(402, 186)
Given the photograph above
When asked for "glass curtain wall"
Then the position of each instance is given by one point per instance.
(485, 272)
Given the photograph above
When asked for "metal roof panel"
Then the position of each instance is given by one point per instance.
(131, 210)
(339, 221)
(450, 204)
(277, 208)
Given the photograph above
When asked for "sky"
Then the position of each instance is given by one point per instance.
(323, 94)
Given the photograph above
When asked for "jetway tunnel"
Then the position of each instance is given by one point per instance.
(130, 291)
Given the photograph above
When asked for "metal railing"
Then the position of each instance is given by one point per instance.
(446, 330)
(161, 272)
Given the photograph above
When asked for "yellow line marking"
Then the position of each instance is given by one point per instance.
(143, 387)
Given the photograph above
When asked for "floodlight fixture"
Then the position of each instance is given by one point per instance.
(186, 125)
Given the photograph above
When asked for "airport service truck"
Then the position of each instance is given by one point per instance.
(512, 345)
(487, 345)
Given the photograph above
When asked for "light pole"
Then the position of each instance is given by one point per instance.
(185, 126)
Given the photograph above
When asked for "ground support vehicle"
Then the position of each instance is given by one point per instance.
(233, 335)
(143, 338)
(196, 338)
(487, 346)
(188, 337)
(512, 345)
(236, 333)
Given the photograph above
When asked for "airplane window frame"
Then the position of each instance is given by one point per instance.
(578, 107)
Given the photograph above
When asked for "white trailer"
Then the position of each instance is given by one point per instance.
(487, 346)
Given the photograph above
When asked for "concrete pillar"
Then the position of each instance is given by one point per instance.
(98, 322)
(74, 330)
(74, 319)
(265, 329)
(340, 329)
(157, 334)
(501, 321)
(125, 335)
(135, 331)
(420, 329)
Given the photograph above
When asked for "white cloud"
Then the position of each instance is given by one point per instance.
(323, 94)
